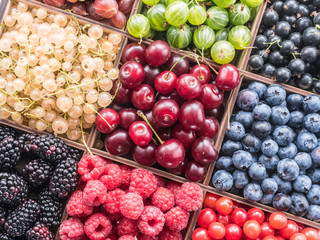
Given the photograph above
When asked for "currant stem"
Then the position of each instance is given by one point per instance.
(82, 134)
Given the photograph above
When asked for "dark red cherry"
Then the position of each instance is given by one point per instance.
(215, 112)
(116, 106)
(123, 94)
(174, 95)
(165, 82)
(127, 117)
(140, 133)
(188, 86)
(131, 74)
(195, 171)
(165, 134)
(150, 74)
(181, 167)
(142, 97)
(134, 52)
(186, 137)
(180, 68)
(170, 154)
(145, 155)
(202, 73)
(150, 119)
(210, 96)
(203, 151)
(118, 142)
(107, 120)
(210, 127)
(165, 113)
(228, 77)
(158, 53)
(192, 115)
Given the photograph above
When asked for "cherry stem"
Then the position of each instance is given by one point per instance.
(215, 71)
(201, 76)
(115, 93)
(140, 114)
(176, 64)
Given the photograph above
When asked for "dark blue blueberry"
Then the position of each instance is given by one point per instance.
(288, 169)
(280, 115)
(275, 95)
(294, 102)
(253, 192)
(296, 119)
(315, 155)
(229, 147)
(303, 160)
(311, 104)
(261, 129)
(242, 160)
(283, 104)
(224, 163)
(261, 112)
(251, 143)
(314, 174)
(288, 151)
(247, 99)
(267, 199)
(258, 87)
(246, 118)
(318, 142)
(236, 131)
(313, 195)
(306, 142)
(283, 186)
(240, 179)
(314, 213)
(269, 186)
(257, 171)
(269, 162)
(299, 205)
(269, 148)
(311, 122)
(283, 135)
(281, 202)
(222, 180)
(302, 184)
(235, 191)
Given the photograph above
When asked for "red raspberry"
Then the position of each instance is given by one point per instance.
(127, 237)
(112, 176)
(190, 197)
(126, 176)
(113, 235)
(112, 203)
(91, 167)
(177, 219)
(145, 237)
(98, 226)
(127, 226)
(167, 234)
(174, 187)
(131, 205)
(160, 181)
(95, 193)
(151, 221)
(71, 229)
(76, 207)
(143, 182)
(163, 198)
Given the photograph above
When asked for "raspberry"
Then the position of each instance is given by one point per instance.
(112, 176)
(151, 221)
(126, 176)
(160, 181)
(127, 237)
(167, 234)
(190, 197)
(112, 203)
(174, 187)
(76, 207)
(143, 182)
(163, 198)
(145, 237)
(91, 167)
(115, 217)
(95, 193)
(127, 226)
(98, 226)
(131, 205)
(177, 219)
(71, 229)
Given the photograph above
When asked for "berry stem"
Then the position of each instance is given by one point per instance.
(176, 64)
(140, 114)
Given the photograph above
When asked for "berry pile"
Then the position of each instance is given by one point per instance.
(221, 218)
(34, 165)
(288, 43)
(158, 92)
(272, 152)
(118, 202)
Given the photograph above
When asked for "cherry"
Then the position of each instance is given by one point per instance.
(186, 137)
(123, 95)
(210, 127)
(266, 230)
(150, 119)
(174, 95)
(233, 232)
(127, 117)
(158, 53)
(165, 134)
(116, 106)
(134, 52)
(228, 77)
(118, 142)
(165, 82)
(224, 219)
(200, 234)
(165, 113)
(150, 74)
(131, 74)
(215, 112)
(145, 155)
(202, 73)
(107, 120)
(239, 216)
(203, 151)
(142, 97)
(206, 217)
(192, 115)
(188, 86)
(170, 153)
(210, 96)
(180, 168)
(140, 133)
(195, 171)
(180, 67)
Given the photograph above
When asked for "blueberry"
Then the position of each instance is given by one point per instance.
(269, 148)
(257, 171)
(303, 160)
(247, 99)
(283, 135)
(269, 186)
(288, 151)
(251, 143)
(275, 95)
(269, 162)
(267, 199)
(288, 169)
(296, 119)
(311, 122)
(261, 112)
(261, 129)
(253, 192)
(314, 174)
(299, 205)
(294, 102)
(235, 190)
(240, 179)
(246, 118)
(281, 202)
(314, 213)
(302, 184)
(315, 155)
(229, 147)
(306, 142)
(222, 180)
(224, 163)
(279, 115)
(242, 160)
(236, 131)
(311, 104)
(283, 186)
(313, 195)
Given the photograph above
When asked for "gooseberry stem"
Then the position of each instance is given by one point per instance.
(140, 114)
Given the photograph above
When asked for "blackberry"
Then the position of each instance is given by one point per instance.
(20, 220)
(49, 148)
(10, 153)
(7, 132)
(37, 172)
(2, 218)
(4, 236)
(25, 141)
(39, 232)
(65, 178)
(47, 194)
(74, 153)
(50, 212)
(13, 189)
